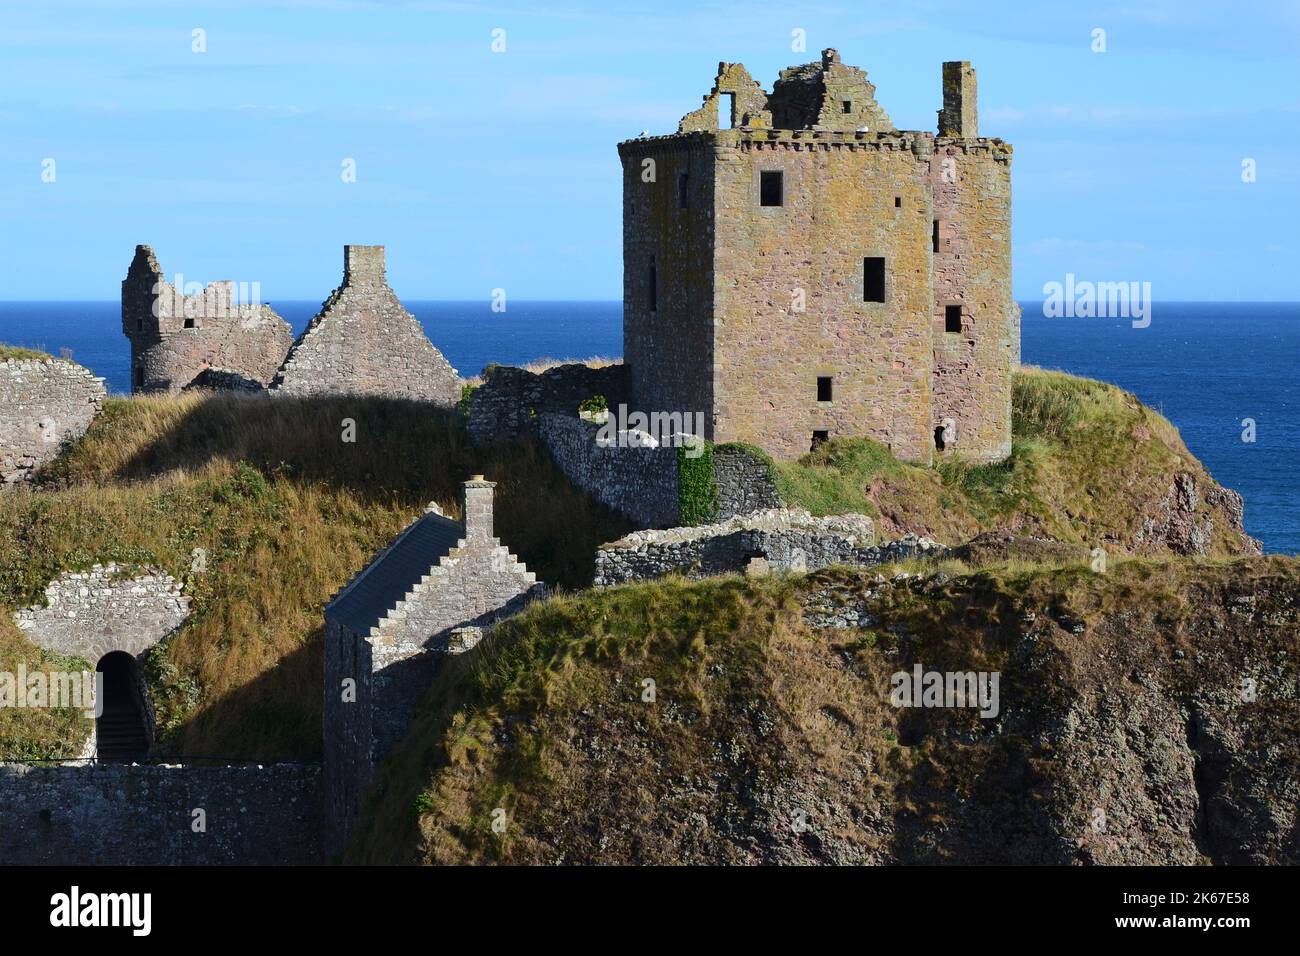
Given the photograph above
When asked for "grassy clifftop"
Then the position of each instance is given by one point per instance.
(287, 512)
(1145, 715)
(1090, 464)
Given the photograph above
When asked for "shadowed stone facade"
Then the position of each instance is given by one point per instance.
(795, 276)
(430, 593)
(175, 337)
(364, 342)
(44, 405)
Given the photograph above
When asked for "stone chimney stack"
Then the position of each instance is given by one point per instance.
(363, 265)
(478, 508)
(958, 117)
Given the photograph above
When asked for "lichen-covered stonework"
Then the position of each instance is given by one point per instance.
(364, 342)
(735, 308)
(88, 614)
(512, 401)
(44, 405)
(175, 337)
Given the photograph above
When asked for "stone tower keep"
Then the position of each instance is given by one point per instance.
(174, 337)
(798, 268)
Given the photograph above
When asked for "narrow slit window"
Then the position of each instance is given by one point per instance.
(824, 388)
(771, 188)
(873, 279)
(898, 202)
(847, 106)
(934, 236)
(819, 438)
(683, 192)
(952, 318)
(654, 285)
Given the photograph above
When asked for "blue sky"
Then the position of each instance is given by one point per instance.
(482, 170)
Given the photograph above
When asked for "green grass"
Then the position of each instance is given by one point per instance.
(14, 352)
(287, 513)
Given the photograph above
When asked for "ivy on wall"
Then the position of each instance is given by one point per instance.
(697, 495)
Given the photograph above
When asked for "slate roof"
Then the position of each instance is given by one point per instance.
(371, 595)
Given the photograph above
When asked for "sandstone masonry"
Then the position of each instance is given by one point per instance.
(364, 342)
(44, 405)
(798, 269)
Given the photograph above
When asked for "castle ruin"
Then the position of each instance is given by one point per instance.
(798, 269)
(175, 338)
(364, 342)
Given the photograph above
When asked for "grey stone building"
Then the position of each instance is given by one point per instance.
(428, 594)
(45, 403)
(364, 342)
(175, 337)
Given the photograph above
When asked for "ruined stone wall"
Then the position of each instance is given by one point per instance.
(846, 196)
(112, 814)
(88, 614)
(640, 482)
(511, 401)
(44, 405)
(668, 334)
(744, 482)
(971, 184)
(783, 540)
(175, 337)
(364, 342)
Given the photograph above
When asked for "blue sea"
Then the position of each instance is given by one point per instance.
(1205, 366)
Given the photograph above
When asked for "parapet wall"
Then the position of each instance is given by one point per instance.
(113, 814)
(511, 401)
(640, 482)
(44, 404)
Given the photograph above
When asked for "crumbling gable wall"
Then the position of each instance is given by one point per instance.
(45, 403)
(828, 95)
(364, 342)
(175, 337)
(734, 86)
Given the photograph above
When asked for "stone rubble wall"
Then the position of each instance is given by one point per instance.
(44, 405)
(744, 482)
(115, 814)
(88, 614)
(640, 482)
(511, 400)
(783, 540)
(365, 342)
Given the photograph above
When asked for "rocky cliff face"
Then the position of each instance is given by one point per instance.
(1148, 714)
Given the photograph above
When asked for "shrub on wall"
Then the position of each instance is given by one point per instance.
(697, 495)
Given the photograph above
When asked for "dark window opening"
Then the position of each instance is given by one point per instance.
(952, 318)
(726, 111)
(819, 438)
(823, 388)
(654, 285)
(847, 106)
(873, 279)
(938, 438)
(683, 201)
(898, 201)
(771, 188)
(121, 731)
(190, 324)
(139, 378)
(139, 325)
(934, 236)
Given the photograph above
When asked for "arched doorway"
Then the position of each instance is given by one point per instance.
(121, 731)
